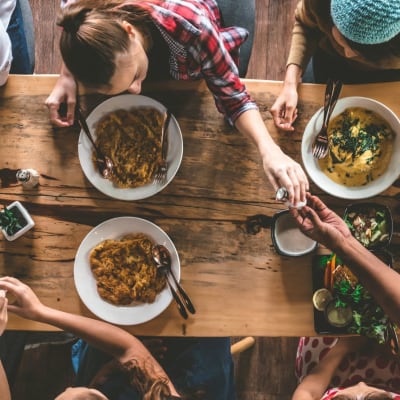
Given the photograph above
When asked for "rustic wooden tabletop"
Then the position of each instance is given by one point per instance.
(217, 210)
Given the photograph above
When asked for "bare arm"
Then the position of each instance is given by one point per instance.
(280, 169)
(317, 381)
(4, 387)
(320, 223)
(109, 338)
(382, 282)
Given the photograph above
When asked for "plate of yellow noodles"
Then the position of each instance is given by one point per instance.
(127, 128)
(364, 149)
(115, 275)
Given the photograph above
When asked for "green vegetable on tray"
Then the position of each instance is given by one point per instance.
(349, 296)
(369, 318)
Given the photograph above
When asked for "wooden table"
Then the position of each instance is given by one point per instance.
(217, 210)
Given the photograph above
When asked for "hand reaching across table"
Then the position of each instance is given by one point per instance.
(127, 58)
(322, 224)
(119, 359)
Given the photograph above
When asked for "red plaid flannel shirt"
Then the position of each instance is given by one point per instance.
(201, 48)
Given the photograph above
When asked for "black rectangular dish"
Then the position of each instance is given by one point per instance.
(321, 279)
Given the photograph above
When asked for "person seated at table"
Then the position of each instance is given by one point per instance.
(14, 51)
(348, 368)
(345, 368)
(356, 41)
(113, 364)
(161, 39)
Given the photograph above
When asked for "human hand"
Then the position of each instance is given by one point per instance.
(320, 223)
(284, 110)
(26, 304)
(3, 311)
(281, 170)
(64, 92)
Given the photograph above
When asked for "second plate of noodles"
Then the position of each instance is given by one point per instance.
(112, 260)
(127, 128)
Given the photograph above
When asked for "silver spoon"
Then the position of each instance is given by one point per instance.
(104, 163)
(164, 271)
(162, 257)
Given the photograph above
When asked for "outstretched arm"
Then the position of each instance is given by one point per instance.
(314, 385)
(4, 387)
(320, 223)
(109, 338)
(280, 169)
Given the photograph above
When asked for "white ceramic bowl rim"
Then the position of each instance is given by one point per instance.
(357, 192)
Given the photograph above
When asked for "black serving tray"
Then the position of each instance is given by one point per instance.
(321, 325)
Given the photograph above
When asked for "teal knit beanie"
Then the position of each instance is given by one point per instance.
(367, 21)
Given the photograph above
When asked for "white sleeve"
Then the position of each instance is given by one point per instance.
(5, 55)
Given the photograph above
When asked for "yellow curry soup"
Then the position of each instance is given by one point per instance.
(360, 147)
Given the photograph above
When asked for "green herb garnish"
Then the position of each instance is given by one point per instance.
(369, 318)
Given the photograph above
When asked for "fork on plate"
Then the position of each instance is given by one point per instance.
(332, 92)
(160, 175)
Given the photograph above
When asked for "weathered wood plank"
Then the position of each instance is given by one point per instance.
(217, 210)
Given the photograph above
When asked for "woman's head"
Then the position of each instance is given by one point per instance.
(369, 27)
(362, 391)
(104, 46)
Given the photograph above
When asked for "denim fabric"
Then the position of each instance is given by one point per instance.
(21, 63)
(12, 345)
(201, 363)
(190, 363)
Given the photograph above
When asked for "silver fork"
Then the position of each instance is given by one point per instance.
(161, 173)
(332, 92)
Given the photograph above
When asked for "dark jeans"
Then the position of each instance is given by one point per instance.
(12, 345)
(190, 363)
(21, 63)
(323, 65)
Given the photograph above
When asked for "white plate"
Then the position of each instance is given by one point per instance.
(356, 192)
(85, 282)
(85, 149)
